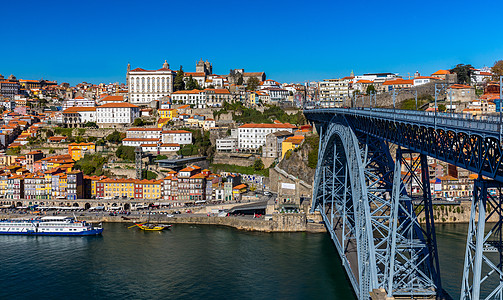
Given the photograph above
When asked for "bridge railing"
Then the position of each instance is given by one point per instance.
(486, 125)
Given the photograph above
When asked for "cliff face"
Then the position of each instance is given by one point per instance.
(296, 164)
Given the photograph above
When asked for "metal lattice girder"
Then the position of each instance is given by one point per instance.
(412, 269)
(472, 144)
(482, 272)
(353, 192)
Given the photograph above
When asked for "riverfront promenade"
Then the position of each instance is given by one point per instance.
(278, 222)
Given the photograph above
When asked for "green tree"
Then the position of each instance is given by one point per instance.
(138, 122)
(125, 152)
(114, 137)
(441, 107)
(463, 72)
(370, 89)
(252, 83)
(91, 124)
(49, 133)
(258, 165)
(497, 70)
(178, 84)
(191, 84)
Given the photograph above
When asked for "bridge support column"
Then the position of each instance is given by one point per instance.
(482, 272)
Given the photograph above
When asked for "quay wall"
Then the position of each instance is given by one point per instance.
(278, 223)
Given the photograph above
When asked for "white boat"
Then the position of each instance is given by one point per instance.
(49, 226)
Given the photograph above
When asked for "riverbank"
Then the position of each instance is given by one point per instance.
(278, 222)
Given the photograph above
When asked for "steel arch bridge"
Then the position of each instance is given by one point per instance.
(363, 194)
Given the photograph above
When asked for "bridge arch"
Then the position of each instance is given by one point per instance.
(359, 191)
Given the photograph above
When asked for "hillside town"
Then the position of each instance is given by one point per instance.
(170, 138)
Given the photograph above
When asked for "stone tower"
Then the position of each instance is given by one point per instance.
(165, 65)
(204, 67)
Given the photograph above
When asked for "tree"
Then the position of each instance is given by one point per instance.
(125, 152)
(91, 124)
(252, 84)
(441, 107)
(179, 84)
(258, 165)
(464, 73)
(49, 133)
(138, 122)
(370, 89)
(114, 137)
(497, 69)
(191, 84)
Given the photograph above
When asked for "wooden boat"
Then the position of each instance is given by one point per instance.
(147, 226)
(151, 227)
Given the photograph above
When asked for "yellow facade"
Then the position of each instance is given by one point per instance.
(78, 150)
(290, 144)
(152, 190)
(169, 114)
(118, 188)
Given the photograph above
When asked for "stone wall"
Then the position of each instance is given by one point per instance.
(456, 213)
(277, 175)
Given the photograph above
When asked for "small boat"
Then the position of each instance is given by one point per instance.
(147, 226)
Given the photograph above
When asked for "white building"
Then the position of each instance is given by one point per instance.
(78, 116)
(149, 133)
(420, 80)
(112, 114)
(196, 98)
(182, 137)
(135, 142)
(227, 144)
(253, 136)
(276, 94)
(169, 147)
(202, 98)
(78, 101)
(333, 92)
(145, 86)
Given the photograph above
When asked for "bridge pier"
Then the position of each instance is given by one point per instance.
(482, 271)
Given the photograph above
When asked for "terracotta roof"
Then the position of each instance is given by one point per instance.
(118, 105)
(251, 125)
(441, 72)
(238, 187)
(175, 131)
(145, 129)
(294, 139)
(170, 145)
(113, 98)
(398, 81)
(139, 140)
(194, 74)
(76, 109)
(460, 86)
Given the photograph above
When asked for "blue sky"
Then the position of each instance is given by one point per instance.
(292, 41)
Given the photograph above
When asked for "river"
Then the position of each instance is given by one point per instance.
(191, 262)
(186, 262)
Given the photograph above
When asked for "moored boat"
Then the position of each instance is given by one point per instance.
(57, 225)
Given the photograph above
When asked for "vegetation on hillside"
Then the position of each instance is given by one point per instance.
(91, 164)
(238, 169)
(410, 104)
(125, 153)
(242, 114)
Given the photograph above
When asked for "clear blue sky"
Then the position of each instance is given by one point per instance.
(74, 41)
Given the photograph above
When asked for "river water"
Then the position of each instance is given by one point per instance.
(190, 262)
